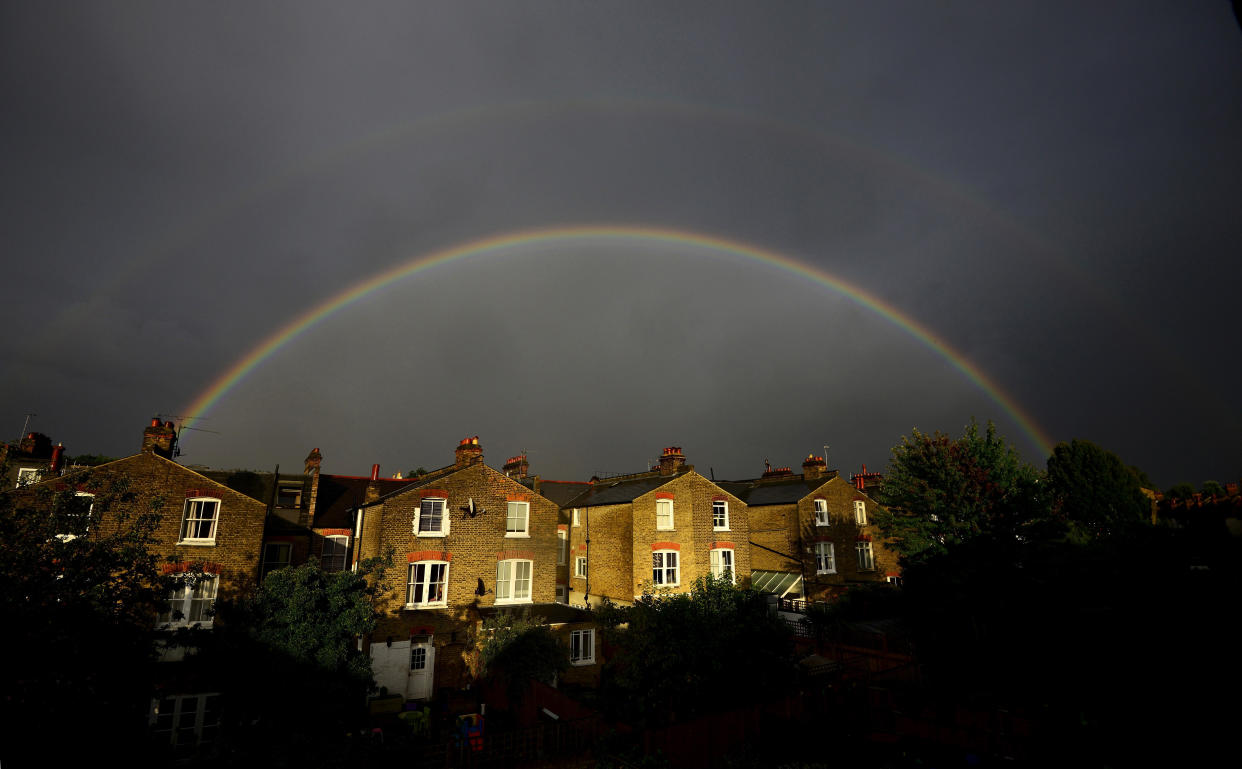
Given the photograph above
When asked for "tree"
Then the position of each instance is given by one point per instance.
(514, 648)
(78, 610)
(676, 655)
(1094, 493)
(943, 491)
(288, 658)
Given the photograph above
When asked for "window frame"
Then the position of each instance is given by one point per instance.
(821, 512)
(176, 717)
(577, 521)
(722, 504)
(187, 598)
(72, 517)
(443, 531)
(717, 554)
(508, 583)
(28, 476)
(562, 547)
(341, 540)
(663, 570)
(584, 639)
(825, 554)
(671, 525)
(860, 512)
(861, 549)
(268, 565)
(191, 505)
(524, 531)
(426, 584)
(580, 566)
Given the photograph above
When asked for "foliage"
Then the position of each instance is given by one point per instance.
(78, 607)
(942, 491)
(1180, 491)
(89, 460)
(1067, 633)
(1093, 493)
(515, 648)
(680, 654)
(1214, 490)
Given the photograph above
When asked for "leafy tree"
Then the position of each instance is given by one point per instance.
(942, 491)
(514, 648)
(288, 659)
(78, 608)
(1180, 491)
(1214, 490)
(678, 654)
(1093, 493)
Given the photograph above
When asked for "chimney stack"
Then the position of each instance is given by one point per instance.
(468, 452)
(814, 467)
(671, 460)
(517, 467)
(160, 438)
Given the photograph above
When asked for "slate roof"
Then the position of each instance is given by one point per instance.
(780, 492)
(339, 493)
(561, 492)
(607, 492)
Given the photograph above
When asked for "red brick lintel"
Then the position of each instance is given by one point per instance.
(720, 498)
(518, 498)
(665, 546)
(664, 495)
(429, 555)
(433, 493)
(725, 545)
(336, 532)
(506, 555)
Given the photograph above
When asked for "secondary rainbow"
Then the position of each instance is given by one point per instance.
(497, 243)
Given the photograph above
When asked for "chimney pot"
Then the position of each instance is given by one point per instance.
(375, 472)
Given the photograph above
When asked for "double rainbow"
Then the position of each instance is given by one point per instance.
(221, 386)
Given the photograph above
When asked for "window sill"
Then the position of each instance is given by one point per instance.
(581, 663)
(726, 528)
(821, 525)
(665, 528)
(824, 573)
(433, 534)
(420, 606)
(200, 625)
(510, 601)
(517, 535)
(197, 542)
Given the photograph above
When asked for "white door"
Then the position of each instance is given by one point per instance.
(421, 671)
(390, 664)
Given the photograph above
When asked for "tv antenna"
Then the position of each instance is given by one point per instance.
(181, 419)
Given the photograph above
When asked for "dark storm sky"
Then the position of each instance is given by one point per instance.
(1053, 189)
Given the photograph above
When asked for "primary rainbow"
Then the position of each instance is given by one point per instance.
(303, 322)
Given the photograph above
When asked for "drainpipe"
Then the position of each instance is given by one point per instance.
(587, 590)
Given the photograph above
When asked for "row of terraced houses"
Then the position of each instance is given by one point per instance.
(471, 540)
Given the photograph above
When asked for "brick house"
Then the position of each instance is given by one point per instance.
(205, 526)
(207, 530)
(468, 540)
(812, 533)
(654, 530)
(30, 460)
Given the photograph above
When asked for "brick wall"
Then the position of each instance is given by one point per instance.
(692, 534)
(472, 547)
(610, 561)
(844, 533)
(239, 527)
